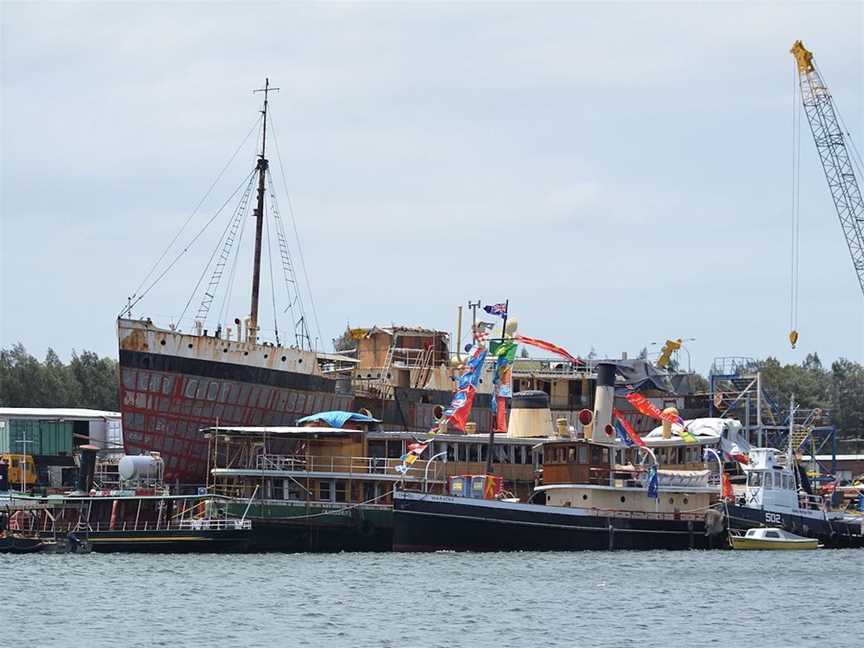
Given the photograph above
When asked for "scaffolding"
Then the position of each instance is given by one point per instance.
(737, 391)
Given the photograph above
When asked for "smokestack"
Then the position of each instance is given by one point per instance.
(604, 398)
(86, 468)
(530, 415)
(4, 477)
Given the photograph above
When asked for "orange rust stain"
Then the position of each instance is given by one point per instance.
(135, 341)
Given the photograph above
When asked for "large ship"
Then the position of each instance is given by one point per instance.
(181, 377)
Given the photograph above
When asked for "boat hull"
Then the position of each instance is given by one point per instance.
(166, 541)
(302, 527)
(833, 534)
(773, 545)
(438, 522)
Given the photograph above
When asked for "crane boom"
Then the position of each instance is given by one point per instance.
(825, 127)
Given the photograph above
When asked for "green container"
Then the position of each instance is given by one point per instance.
(20, 430)
(56, 437)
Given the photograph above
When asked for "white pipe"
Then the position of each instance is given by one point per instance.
(426, 472)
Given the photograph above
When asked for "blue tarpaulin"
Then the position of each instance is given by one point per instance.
(337, 419)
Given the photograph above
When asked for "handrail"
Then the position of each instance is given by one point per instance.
(353, 466)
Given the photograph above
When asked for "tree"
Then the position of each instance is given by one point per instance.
(848, 397)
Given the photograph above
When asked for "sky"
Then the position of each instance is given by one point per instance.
(621, 172)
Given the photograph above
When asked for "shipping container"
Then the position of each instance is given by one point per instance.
(34, 437)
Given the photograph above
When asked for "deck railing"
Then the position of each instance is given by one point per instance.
(355, 467)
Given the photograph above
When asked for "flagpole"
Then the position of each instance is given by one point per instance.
(490, 446)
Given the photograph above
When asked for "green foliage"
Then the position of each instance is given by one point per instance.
(87, 381)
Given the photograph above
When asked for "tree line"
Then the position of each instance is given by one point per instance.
(85, 381)
(90, 381)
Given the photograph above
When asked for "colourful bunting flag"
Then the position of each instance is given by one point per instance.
(625, 431)
(551, 348)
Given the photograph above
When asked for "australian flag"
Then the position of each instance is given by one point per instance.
(496, 309)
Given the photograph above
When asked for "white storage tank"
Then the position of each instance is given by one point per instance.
(138, 468)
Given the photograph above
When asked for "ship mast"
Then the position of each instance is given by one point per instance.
(261, 167)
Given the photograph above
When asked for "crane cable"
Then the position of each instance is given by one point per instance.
(796, 211)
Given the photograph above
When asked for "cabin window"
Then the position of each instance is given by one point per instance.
(571, 455)
(504, 454)
(368, 491)
(450, 449)
(394, 449)
(293, 491)
(481, 452)
(769, 481)
(772, 534)
(276, 489)
(754, 479)
(583, 454)
(324, 491)
(341, 491)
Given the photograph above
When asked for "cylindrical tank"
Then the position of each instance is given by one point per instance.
(530, 415)
(604, 398)
(139, 468)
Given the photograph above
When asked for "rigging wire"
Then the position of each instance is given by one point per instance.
(296, 232)
(229, 290)
(194, 211)
(272, 283)
(188, 245)
(247, 181)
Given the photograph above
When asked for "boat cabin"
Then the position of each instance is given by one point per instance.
(773, 483)
(585, 474)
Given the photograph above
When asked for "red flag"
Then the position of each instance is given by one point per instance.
(552, 348)
(635, 438)
(728, 493)
(501, 414)
(648, 408)
(460, 415)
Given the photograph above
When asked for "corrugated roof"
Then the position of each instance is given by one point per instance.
(55, 412)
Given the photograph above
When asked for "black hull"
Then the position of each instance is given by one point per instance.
(832, 534)
(170, 541)
(435, 523)
(15, 544)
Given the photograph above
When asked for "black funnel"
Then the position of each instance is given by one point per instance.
(86, 468)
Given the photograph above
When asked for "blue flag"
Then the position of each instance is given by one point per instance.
(652, 482)
(622, 433)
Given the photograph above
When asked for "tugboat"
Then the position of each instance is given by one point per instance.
(596, 493)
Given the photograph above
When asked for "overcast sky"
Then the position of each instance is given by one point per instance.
(621, 172)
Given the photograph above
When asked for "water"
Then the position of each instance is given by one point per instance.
(626, 599)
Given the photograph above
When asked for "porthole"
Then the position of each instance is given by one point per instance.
(584, 497)
(190, 346)
(671, 500)
(245, 353)
(265, 356)
(225, 350)
(388, 376)
(284, 358)
(299, 360)
(686, 501)
(623, 499)
(162, 342)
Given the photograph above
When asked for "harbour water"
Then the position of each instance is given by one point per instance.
(510, 599)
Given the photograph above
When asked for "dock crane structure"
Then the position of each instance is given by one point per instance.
(834, 155)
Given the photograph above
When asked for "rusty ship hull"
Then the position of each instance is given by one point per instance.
(173, 384)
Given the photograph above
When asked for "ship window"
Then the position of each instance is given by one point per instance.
(324, 491)
(772, 534)
(623, 499)
(483, 451)
(284, 358)
(299, 360)
(583, 454)
(571, 455)
(341, 491)
(769, 481)
(278, 491)
(585, 497)
(754, 479)
(190, 345)
(686, 500)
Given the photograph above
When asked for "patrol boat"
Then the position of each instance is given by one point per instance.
(778, 494)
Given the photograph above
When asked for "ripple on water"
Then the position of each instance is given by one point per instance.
(444, 599)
